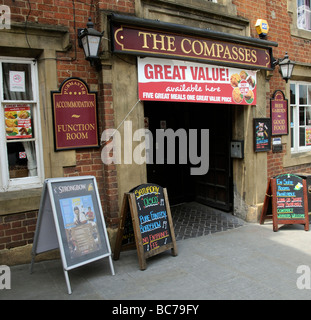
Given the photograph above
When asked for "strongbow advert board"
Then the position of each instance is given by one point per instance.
(70, 218)
(152, 223)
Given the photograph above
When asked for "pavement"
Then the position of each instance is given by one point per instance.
(245, 262)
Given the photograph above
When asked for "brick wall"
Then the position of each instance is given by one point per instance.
(17, 229)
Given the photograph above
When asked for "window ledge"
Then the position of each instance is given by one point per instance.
(20, 201)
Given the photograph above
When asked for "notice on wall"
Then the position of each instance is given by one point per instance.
(184, 81)
(262, 134)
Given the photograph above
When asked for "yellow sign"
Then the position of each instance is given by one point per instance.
(262, 27)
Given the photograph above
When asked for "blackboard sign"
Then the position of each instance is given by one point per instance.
(71, 219)
(262, 134)
(286, 197)
(151, 220)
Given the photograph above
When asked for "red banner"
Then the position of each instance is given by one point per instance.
(174, 80)
(279, 114)
(75, 116)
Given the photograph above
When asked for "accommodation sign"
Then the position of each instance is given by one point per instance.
(139, 41)
(75, 116)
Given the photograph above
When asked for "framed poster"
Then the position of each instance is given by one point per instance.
(279, 114)
(262, 134)
(75, 116)
(71, 219)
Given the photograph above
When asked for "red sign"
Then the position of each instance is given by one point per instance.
(138, 41)
(75, 116)
(174, 80)
(18, 121)
(279, 114)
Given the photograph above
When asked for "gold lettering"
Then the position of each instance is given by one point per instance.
(198, 53)
(145, 34)
(171, 44)
(220, 49)
(155, 42)
(182, 46)
(227, 54)
(254, 55)
(209, 51)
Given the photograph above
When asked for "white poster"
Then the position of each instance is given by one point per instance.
(17, 81)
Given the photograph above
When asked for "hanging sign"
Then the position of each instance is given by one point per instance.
(262, 134)
(279, 114)
(71, 219)
(147, 208)
(286, 199)
(75, 116)
(174, 80)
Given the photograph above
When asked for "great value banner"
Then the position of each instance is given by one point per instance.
(174, 80)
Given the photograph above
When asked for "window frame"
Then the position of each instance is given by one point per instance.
(307, 11)
(295, 118)
(13, 184)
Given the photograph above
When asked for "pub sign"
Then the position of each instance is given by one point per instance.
(279, 113)
(75, 116)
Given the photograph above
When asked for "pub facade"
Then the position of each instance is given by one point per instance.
(196, 70)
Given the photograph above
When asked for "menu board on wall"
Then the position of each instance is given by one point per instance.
(262, 134)
(286, 197)
(151, 220)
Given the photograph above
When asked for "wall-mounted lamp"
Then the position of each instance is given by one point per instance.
(286, 67)
(89, 40)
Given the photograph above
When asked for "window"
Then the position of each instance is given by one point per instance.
(300, 116)
(303, 14)
(21, 163)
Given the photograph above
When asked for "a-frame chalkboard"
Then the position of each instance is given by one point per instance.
(70, 218)
(286, 201)
(145, 223)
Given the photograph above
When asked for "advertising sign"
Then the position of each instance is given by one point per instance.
(279, 114)
(151, 221)
(71, 218)
(75, 116)
(18, 121)
(174, 80)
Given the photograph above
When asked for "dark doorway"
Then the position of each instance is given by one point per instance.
(213, 188)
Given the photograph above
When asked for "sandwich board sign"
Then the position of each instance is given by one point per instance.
(70, 218)
(286, 201)
(146, 223)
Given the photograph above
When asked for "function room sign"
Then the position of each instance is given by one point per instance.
(75, 116)
(176, 80)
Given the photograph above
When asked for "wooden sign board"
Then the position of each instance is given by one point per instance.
(70, 218)
(279, 114)
(286, 201)
(152, 227)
